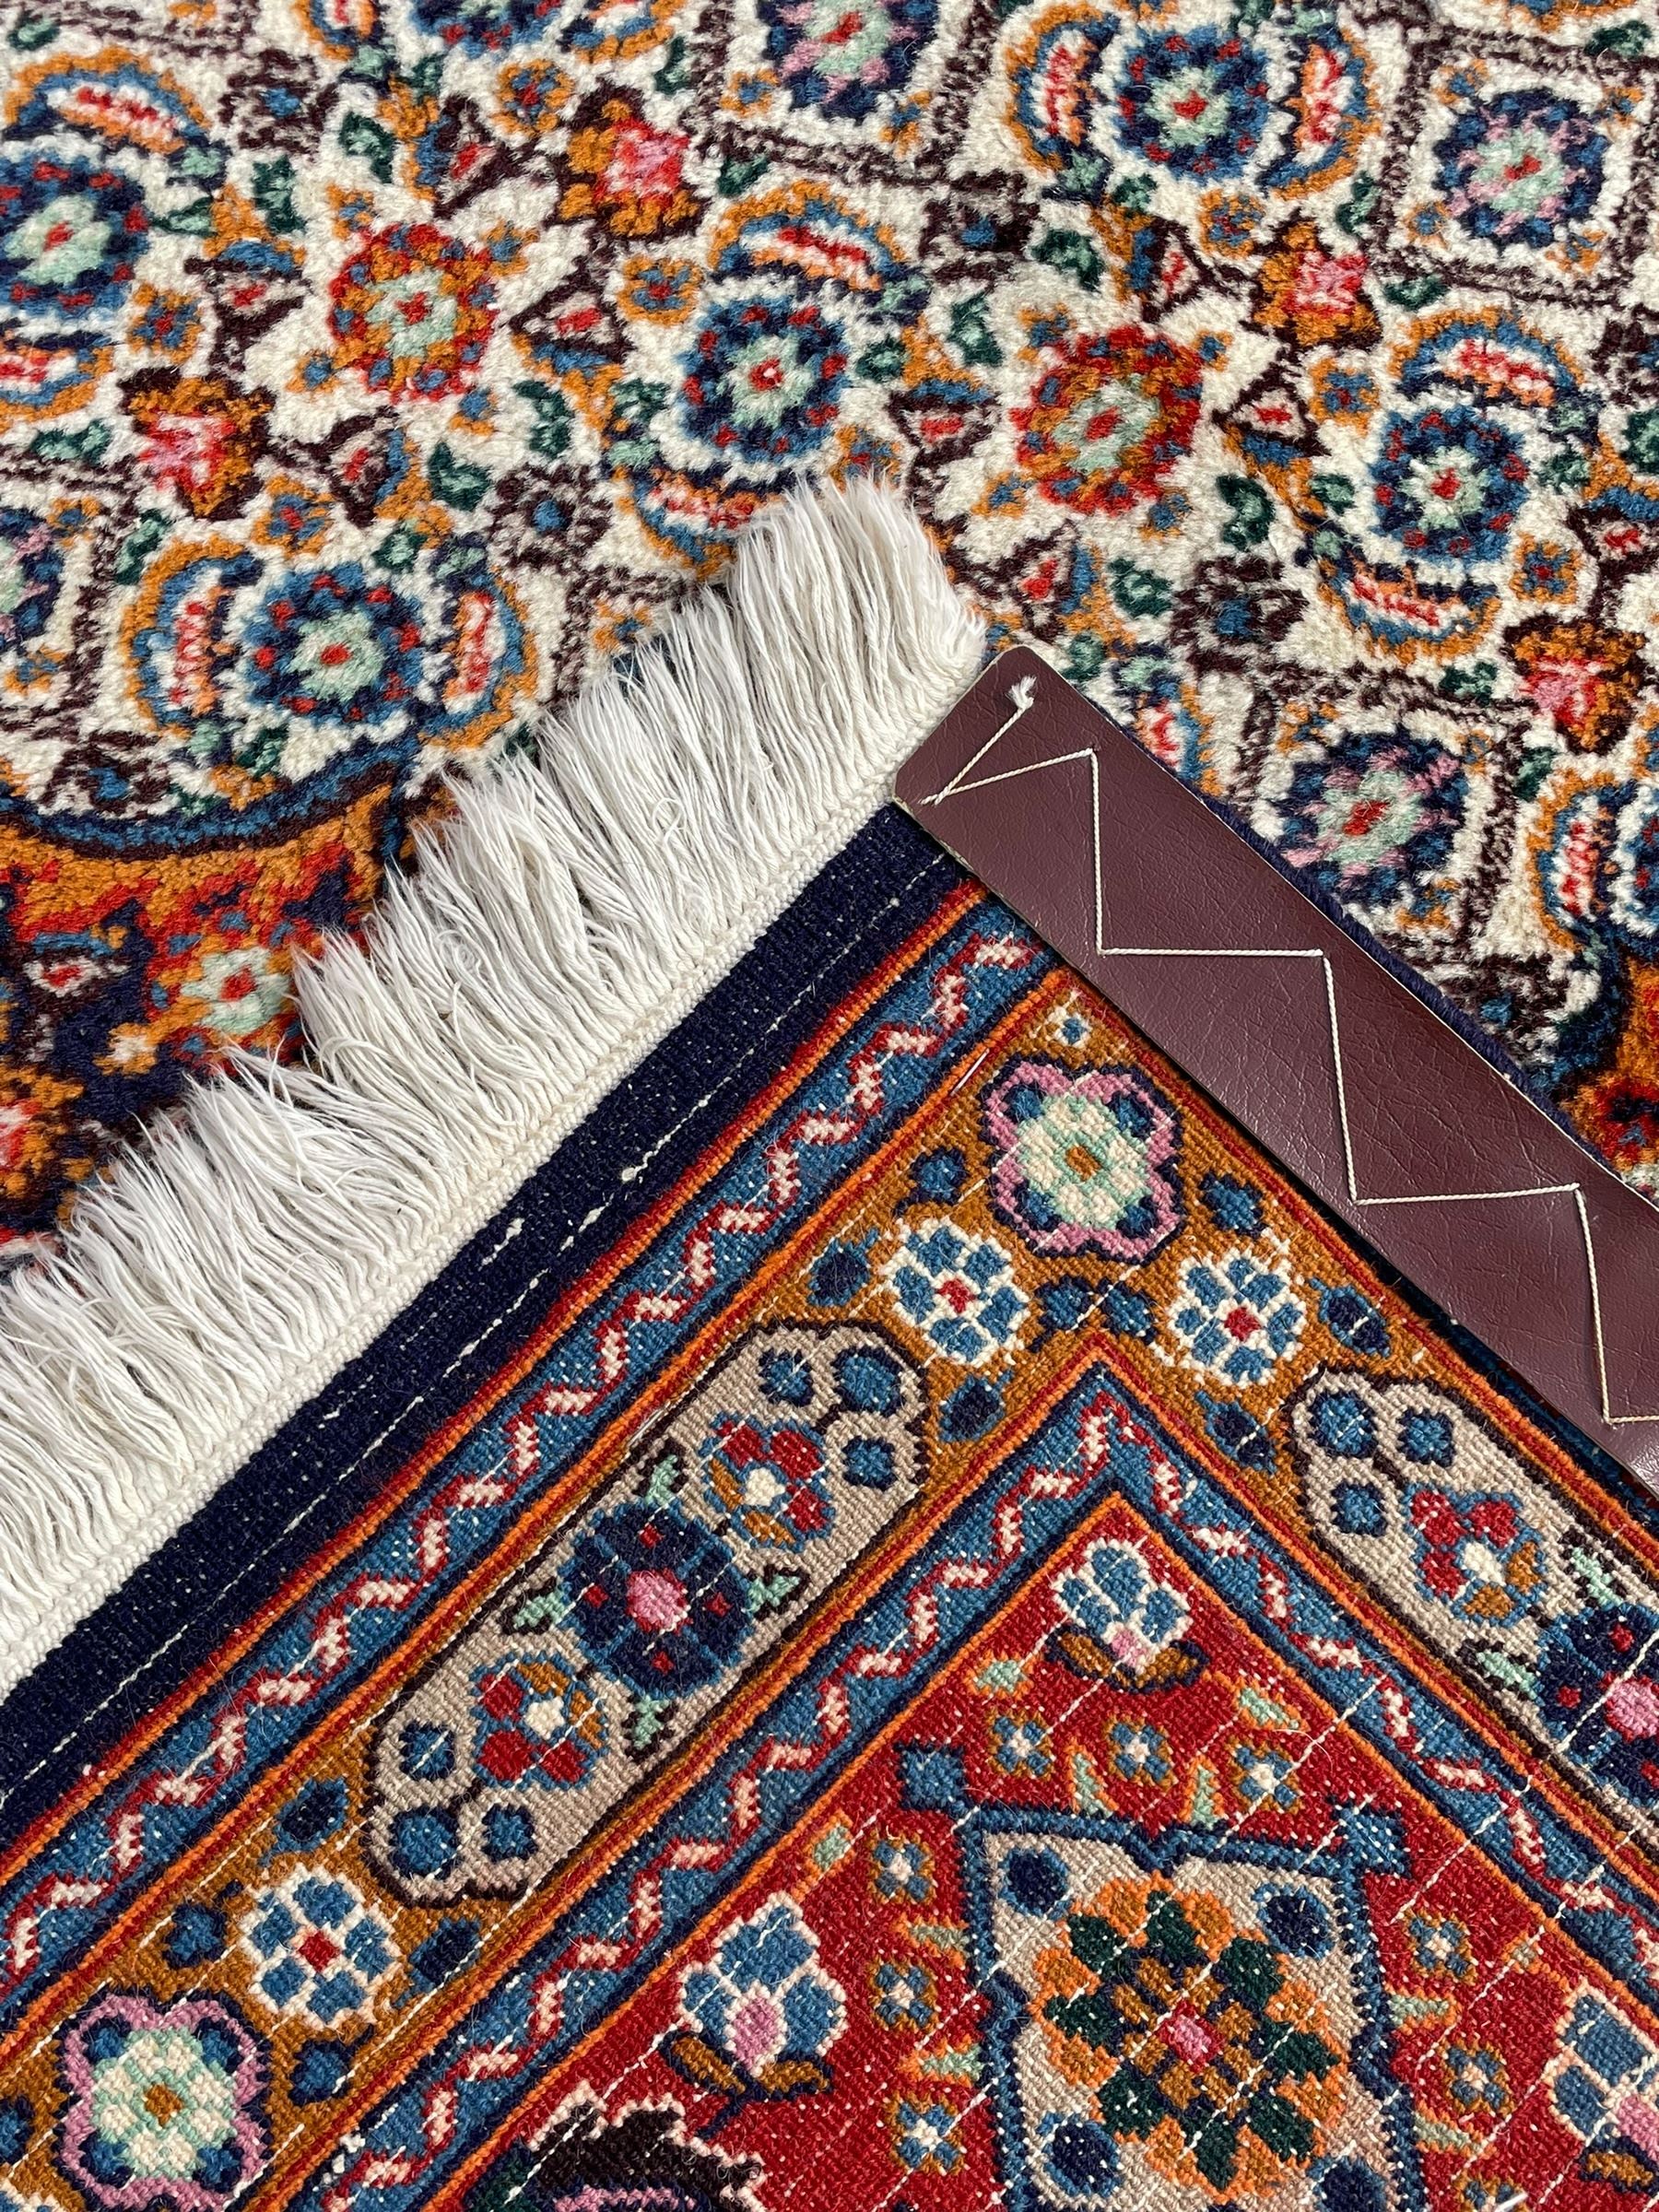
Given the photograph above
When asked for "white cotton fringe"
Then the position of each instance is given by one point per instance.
(554, 931)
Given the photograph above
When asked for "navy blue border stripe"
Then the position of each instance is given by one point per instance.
(287, 1501)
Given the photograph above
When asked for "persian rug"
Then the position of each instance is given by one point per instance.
(370, 369)
(905, 1625)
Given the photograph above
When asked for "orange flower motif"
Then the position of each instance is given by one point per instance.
(1317, 296)
(202, 438)
(628, 174)
(1587, 679)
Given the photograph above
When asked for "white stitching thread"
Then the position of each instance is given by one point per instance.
(1023, 697)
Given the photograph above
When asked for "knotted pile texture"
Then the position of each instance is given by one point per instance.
(370, 368)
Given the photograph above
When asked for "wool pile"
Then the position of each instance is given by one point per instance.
(373, 369)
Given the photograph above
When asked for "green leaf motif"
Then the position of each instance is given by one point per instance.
(1085, 657)
(1641, 440)
(538, 1609)
(263, 750)
(1509, 1673)
(1473, 683)
(459, 484)
(1535, 764)
(1137, 590)
(87, 446)
(399, 549)
(1074, 255)
(635, 401)
(647, 1719)
(1265, 1711)
(1252, 513)
(141, 541)
(1356, 213)
(738, 176)
(195, 219)
(1086, 1786)
(674, 76)
(882, 361)
(370, 141)
(771, 1588)
(1566, 471)
(970, 333)
(551, 435)
(274, 193)
(1415, 291)
(663, 1482)
(1597, 1585)
(1629, 40)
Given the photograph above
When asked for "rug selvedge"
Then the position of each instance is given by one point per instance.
(1098, 1581)
(370, 373)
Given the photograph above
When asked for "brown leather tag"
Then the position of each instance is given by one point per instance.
(1339, 1069)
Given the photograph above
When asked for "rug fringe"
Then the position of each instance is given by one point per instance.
(574, 910)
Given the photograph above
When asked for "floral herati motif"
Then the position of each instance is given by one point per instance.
(1516, 166)
(763, 379)
(411, 356)
(842, 56)
(657, 1599)
(1235, 1315)
(759, 2017)
(1087, 1160)
(336, 644)
(1448, 484)
(959, 1289)
(1195, 101)
(72, 232)
(321, 1950)
(1109, 419)
(32, 568)
(412, 310)
(165, 2103)
(1232, 2088)
(1373, 815)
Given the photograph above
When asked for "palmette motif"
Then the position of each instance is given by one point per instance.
(977, 1654)
(368, 372)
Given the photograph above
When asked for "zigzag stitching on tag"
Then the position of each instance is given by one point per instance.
(1023, 697)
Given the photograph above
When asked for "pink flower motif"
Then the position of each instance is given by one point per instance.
(1086, 1158)
(165, 2103)
(1326, 283)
